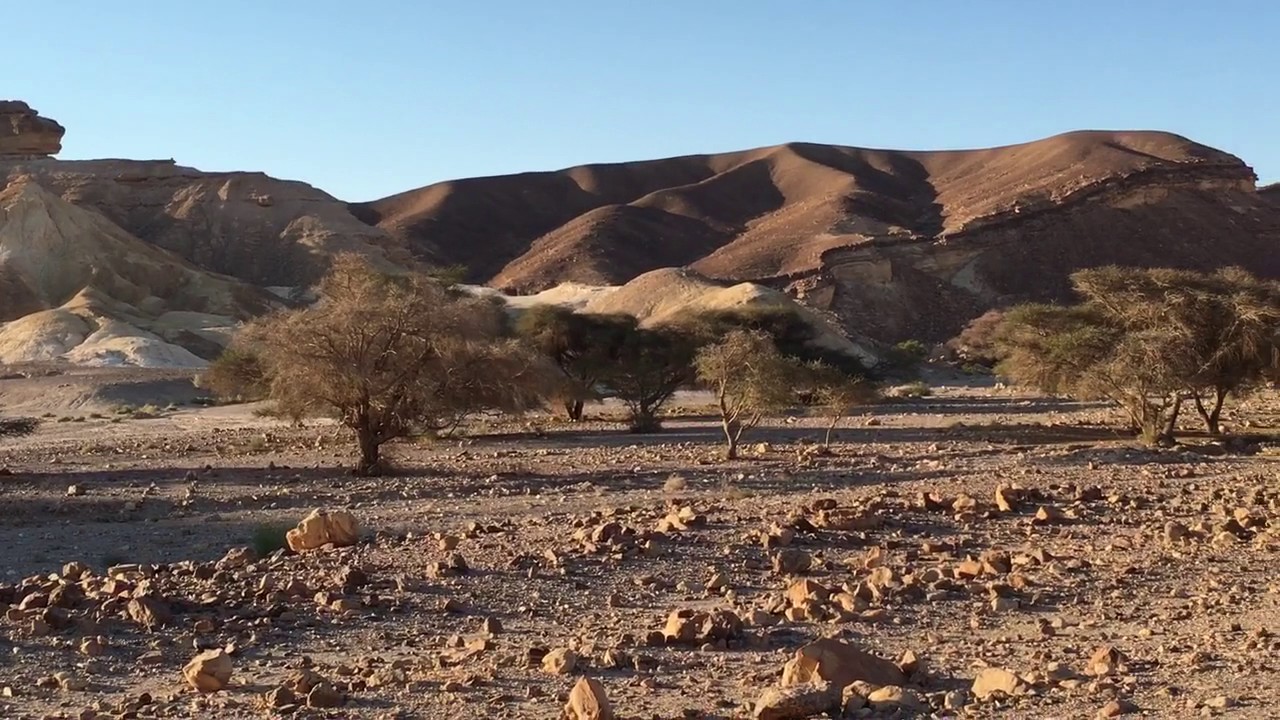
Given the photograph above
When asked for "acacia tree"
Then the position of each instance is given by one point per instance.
(750, 378)
(1081, 352)
(584, 347)
(652, 364)
(392, 355)
(1226, 326)
(1149, 340)
(836, 393)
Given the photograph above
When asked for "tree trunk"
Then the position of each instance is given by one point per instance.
(369, 451)
(732, 431)
(1171, 422)
(826, 440)
(573, 409)
(1212, 416)
(644, 420)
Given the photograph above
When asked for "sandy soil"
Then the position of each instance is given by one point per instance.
(1190, 616)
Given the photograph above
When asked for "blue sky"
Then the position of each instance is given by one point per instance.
(364, 99)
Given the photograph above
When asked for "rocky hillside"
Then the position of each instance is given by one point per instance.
(1271, 192)
(147, 262)
(898, 244)
(75, 286)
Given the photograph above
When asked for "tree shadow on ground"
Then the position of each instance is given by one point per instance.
(709, 434)
(983, 406)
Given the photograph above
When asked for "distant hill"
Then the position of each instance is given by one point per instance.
(898, 243)
(147, 262)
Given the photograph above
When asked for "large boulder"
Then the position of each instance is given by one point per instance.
(796, 702)
(324, 527)
(839, 664)
(587, 701)
(210, 671)
(24, 134)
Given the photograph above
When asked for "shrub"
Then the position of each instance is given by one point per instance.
(17, 427)
(916, 390)
(389, 356)
(268, 538)
(237, 375)
(750, 378)
(583, 347)
(1149, 340)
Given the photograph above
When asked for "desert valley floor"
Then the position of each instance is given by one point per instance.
(498, 567)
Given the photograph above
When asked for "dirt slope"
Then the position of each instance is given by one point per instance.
(1271, 192)
(898, 244)
(248, 225)
(754, 214)
(75, 286)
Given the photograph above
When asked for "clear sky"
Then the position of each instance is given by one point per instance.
(364, 99)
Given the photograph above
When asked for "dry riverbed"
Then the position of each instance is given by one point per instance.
(972, 554)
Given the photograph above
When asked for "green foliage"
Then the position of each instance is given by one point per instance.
(750, 378)
(791, 333)
(449, 275)
(268, 538)
(835, 393)
(584, 347)
(1148, 340)
(976, 344)
(390, 356)
(653, 364)
(237, 375)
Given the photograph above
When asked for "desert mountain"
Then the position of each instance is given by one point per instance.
(262, 230)
(897, 244)
(147, 262)
(74, 285)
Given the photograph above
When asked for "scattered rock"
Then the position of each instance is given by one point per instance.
(587, 701)
(791, 561)
(210, 671)
(1116, 708)
(324, 695)
(560, 661)
(995, 683)
(149, 612)
(840, 664)
(796, 702)
(324, 527)
(1220, 702)
(1104, 661)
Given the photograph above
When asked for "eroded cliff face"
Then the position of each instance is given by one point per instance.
(928, 288)
(247, 225)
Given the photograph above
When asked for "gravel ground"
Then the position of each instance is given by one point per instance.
(584, 538)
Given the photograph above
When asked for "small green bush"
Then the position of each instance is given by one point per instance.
(268, 538)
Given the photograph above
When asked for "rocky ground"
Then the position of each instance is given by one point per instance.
(972, 554)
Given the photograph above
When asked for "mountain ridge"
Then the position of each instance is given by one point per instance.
(760, 213)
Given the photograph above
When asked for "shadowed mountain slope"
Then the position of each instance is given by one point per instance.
(898, 243)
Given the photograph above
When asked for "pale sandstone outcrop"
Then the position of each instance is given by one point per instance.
(24, 134)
